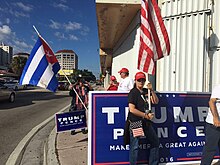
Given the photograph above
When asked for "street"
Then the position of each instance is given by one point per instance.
(30, 108)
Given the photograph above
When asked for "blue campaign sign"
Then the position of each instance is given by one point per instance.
(179, 123)
(70, 120)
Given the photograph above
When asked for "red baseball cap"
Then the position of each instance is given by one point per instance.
(113, 78)
(140, 75)
(123, 70)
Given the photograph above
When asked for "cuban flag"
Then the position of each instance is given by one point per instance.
(41, 67)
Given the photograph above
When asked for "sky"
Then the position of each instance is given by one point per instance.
(64, 24)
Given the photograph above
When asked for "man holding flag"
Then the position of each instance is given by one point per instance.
(41, 67)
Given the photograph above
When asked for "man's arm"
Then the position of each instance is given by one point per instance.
(213, 109)
(154, 98)
(131, 84)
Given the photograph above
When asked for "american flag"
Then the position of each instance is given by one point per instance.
(137, 128)
(154, 40)
(137, 132)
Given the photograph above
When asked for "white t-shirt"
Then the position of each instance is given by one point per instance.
(126, 84)
(215, 94)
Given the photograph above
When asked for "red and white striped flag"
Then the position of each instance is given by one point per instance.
(154, 40)
(138, 132)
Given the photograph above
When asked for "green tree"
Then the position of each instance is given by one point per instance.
(86, 75)
(18, 64)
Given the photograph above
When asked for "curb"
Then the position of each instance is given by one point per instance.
(50, 155)
(16, 155)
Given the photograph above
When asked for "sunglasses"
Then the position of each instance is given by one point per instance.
(141, 80)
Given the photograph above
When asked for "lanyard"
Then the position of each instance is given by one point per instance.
(145, 101)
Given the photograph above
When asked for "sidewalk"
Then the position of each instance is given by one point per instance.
(66, 149)
(72, 149)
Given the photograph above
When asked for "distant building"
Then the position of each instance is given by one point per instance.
(25, 55)
(3, 58)
(5, 55)
(68, 60)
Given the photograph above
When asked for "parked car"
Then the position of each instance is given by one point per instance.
(2, 80)
(6, 93)
(14, 84)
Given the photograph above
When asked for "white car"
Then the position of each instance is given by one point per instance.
(15, 85)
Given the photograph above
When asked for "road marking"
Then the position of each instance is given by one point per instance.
(16, 154)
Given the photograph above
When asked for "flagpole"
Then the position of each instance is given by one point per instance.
(148, 91)
(74, 90)
(41, 36)
(36, 30)
(149, 101)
